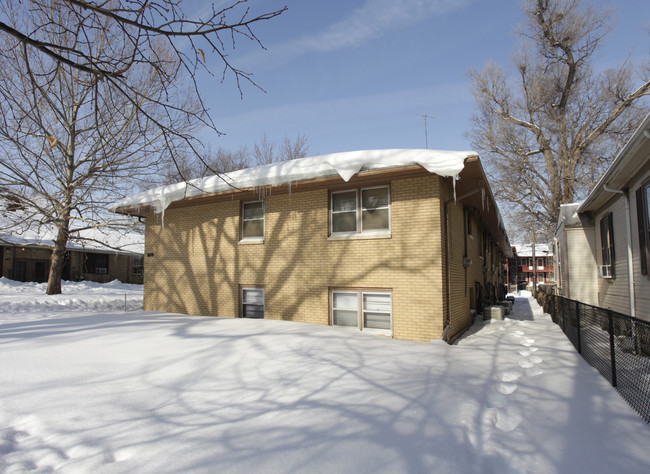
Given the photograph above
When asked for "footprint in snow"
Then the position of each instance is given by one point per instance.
(506, 388)
(508, 418)
(526, 364)
(527, 341)
(534, 371)
(510, 376)
(528, 351)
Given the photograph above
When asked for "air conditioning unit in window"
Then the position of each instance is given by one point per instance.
(605, 271)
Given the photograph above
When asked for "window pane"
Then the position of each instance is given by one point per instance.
(376, 320)
(253, 311)
(253, 296)
(345, 301)
(375, 302)
(373, 198)
(346, 201)
(254, 210)
(374, 219)
(344, 222)
(253, 228)
(345, 318)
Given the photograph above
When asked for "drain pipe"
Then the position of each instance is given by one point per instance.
(628, 228)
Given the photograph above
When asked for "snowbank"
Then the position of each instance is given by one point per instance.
(19, 297)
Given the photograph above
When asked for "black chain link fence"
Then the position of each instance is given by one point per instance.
(617, 345)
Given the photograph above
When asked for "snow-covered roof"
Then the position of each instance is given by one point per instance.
(345, 165)
(29, 232)
(526, 250)
(569, 213)
(129, 242)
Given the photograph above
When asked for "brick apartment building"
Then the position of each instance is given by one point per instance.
(524, 268)
(404, 243)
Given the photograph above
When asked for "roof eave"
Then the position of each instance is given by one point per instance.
(622, 169)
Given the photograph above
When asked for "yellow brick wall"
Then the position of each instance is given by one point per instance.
(492, 258)
(195, 264)
(460, 283)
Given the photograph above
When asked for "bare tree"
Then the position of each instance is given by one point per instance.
(214, 162)
(548, 134)
(264, 151)
(94, 98)
(140, 27)
(294, 149)
(223, 161)
(267, 151)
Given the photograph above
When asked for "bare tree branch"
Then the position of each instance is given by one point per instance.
(553, 138)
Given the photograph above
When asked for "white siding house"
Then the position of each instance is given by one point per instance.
(604, 242)
(575, 256)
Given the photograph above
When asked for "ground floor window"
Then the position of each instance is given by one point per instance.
(252, 302)
(96, 263)
(362, 309)
(137, 264)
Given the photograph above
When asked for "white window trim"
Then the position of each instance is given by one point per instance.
(256, 239)
(348, 292)
(244, 288)
(359, 233)
(390, 313)
(361, 311)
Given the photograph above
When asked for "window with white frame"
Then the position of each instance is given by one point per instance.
(345, 308)
(366, 210)
(252, 302)
(362, 309)
(252, 220)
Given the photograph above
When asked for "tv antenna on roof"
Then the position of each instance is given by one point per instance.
(426, 133)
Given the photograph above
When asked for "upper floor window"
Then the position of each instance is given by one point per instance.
(361, 211)
(253, 220)
(607, 246)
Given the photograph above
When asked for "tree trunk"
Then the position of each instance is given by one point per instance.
(58, 258)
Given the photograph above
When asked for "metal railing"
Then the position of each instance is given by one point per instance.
(616, 344)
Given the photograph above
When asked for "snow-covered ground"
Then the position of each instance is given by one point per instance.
(86, 387)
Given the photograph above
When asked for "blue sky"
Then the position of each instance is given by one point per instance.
(357, 74)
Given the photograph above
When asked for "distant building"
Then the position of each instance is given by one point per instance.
(23, 261)
(524, 268)
(26, 249)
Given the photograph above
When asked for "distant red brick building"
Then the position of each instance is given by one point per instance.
(524, 268)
